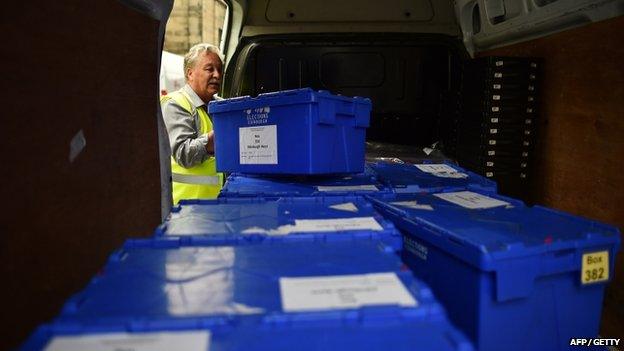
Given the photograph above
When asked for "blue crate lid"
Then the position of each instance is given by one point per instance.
(519, 242)
(409, 178)
(150, 280)
(250, 220)
(378, 333)
(280, 98)
(243, 185)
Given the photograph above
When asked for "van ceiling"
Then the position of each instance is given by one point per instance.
(300, 11)
(305, 16)
(483, 24)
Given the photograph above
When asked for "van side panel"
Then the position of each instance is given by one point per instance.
(80, 168)
(581, 144)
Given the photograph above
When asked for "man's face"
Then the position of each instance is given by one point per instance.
(205, 76)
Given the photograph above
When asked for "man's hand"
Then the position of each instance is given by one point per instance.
(210, 144)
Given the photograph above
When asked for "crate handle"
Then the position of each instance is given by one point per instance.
(329, 109)
(515, 279)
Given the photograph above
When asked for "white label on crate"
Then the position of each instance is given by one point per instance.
(157, 341)
(343, 291)
(413, 205)
(493, 131)
(435, 168)
(499, 63)
(349, 206)
(496, 86)
(530, 98)
(491, 152)
(320, 225)
(532, 76)
(528, 121)
(523, 165)
(338, 224)
(258, 145)
(494, 120)
(454, 175)
(471, 200)
(525, 143)
(522, 175)
(441, 170)
(489, 164)
(529, 110)
(345, 188)
(525, 154)
(533, 64)
(531, 88)
(495, 97)
(498, 75)
(489, 174)
(495, 108)
(527, 132)
(492, 142)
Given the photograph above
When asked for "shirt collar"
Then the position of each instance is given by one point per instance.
(195, 99)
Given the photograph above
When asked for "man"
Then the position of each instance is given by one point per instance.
(189, 126)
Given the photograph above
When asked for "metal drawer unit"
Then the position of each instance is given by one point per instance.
(498, 117)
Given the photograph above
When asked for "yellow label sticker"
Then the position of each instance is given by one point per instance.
(595, 267)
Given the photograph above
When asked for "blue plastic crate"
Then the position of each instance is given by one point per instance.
(256, 220)
(242, 185)
(153, 280)
(291, 132)
(427, 177)
(374, 332)
(509, 275)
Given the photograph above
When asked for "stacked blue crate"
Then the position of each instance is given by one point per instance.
(510, 276)
(245, 185)
(374, 333)
(282, 296)
(157, 279)
(256, 220)
(427, 177)
(298, 131)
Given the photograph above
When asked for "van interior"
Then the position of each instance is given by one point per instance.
(86, 153)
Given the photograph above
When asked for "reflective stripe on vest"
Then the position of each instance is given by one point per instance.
(195, 179)
(201, 181)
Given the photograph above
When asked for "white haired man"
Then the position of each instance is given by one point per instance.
(189, 126)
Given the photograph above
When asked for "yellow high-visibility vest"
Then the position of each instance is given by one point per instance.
(201, 181)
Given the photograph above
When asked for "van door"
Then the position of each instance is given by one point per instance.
(487, 24)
